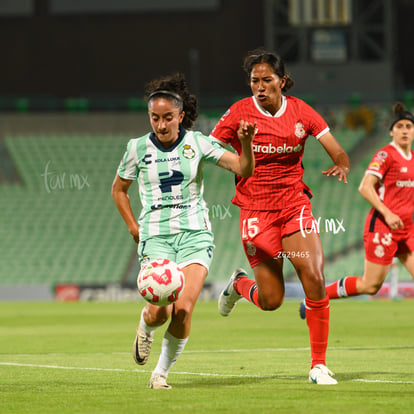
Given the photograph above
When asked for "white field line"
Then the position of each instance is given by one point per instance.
(201, 374)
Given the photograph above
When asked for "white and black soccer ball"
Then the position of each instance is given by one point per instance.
(161, 282)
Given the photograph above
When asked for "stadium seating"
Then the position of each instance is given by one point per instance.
(61, 225)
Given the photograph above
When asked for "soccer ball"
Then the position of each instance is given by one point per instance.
(161, 282)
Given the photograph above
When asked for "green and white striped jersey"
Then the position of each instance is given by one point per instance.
(170, 181)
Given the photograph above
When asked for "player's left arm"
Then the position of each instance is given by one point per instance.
(338, 156)
(120, 188)
(244, 164)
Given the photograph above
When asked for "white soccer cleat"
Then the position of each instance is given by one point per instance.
(142, 346)
(322, 375)
(229, 297)
(159, 382)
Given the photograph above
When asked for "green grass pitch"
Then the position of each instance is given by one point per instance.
(76, 358)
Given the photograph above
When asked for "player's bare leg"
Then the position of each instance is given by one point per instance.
(407, 259)
(306, 255)
(180, 325)
(270, 284)
(373, 278)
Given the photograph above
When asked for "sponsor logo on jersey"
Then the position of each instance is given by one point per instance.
(171, 197)
(167, 159)
(281, 149)
(374, 166)
(405, 183)
(172, 206)
(169, 179)
(404, 169)
(299, 130)
(146, 159)
(188, 152)
(382, 155)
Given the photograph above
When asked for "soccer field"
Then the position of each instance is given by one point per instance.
(76, 358)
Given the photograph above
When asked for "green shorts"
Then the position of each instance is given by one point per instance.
(182, 248)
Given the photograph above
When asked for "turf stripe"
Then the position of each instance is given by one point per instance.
(229, 351)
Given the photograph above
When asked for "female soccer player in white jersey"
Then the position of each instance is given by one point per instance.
(174, 223)
(274, 202)
(388, 185)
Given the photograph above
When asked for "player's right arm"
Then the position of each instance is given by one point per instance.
(368, 191)
(242, 165)
(120, 195)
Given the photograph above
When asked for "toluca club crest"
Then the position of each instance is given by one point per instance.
(299, 130)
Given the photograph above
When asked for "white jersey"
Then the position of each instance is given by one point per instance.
(170, 181)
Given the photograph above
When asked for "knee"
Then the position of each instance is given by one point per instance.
(156, 315)
(372, 289)
(315, 278)
(162, 319)
(271, 304)
(183, 313)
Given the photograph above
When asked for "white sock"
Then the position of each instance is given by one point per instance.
(149, 330)
(171, 349)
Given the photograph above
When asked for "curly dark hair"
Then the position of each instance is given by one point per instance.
(177, 85)
(261, 55)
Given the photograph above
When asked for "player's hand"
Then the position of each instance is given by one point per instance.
(135, 233)
(246, 131)
(393, 221)
(339, 171)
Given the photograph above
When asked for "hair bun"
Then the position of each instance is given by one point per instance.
(399, 113)
(398, 108)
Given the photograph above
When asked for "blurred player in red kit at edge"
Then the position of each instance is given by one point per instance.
(388, 185)
(274, 202)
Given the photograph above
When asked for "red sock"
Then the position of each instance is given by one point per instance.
(248, 289)
(343, 287)
(317, 318)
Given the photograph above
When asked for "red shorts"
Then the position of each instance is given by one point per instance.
(382, 244)
(262, 231)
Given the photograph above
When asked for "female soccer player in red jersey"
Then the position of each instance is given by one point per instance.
(388, 185)
(274, 202)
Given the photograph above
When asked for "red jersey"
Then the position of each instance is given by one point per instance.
(278, 148)
(396, 186)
